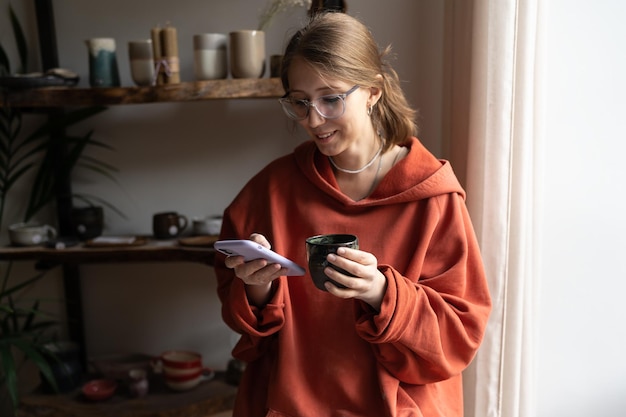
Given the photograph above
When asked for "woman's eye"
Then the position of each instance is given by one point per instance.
(299, 103)
(330, 99)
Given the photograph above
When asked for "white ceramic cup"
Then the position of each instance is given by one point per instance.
(31, 234)
(207, 225)
(247, 53)
(141, 62)
(210, 56)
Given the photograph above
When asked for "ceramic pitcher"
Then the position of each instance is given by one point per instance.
(103, 70)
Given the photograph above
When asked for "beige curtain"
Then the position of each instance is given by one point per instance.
(494, 137)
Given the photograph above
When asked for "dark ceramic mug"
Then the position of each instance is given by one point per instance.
(87, 222)
(317, 249)
(169, 224)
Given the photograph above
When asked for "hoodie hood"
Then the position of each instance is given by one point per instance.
(418, 176)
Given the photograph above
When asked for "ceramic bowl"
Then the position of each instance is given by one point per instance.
(99, 389)
(31, 234)
(183, 383)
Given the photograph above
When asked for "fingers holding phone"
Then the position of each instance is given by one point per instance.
(256, 265)
(256, 271)
(256, 258)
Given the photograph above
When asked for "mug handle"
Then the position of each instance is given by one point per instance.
(207, 374)
(51, 232)
(157, 365)
(182, 222)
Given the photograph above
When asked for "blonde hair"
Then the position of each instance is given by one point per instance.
(340, 46)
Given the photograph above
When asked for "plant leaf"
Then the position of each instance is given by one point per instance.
(98, 164)
(5, 65)
(10, 372)
(64, 120)
(9, 291)
(31, 316)
(31, 351)
(20, 40)
(11, 179)
(90, 198)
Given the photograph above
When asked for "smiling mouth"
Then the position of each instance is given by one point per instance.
(325, 135)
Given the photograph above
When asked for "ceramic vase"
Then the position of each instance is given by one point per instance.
(247, 53)
(103, 70)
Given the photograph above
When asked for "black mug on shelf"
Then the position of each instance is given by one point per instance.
(168, 224)
(87, 222)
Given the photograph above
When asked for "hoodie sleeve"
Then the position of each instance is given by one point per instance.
(255, 325)
(432, 320)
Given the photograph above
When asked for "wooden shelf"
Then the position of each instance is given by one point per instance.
(206, 399)
(152, 251)
(183, 92)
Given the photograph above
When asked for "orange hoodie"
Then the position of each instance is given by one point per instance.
(311, 354)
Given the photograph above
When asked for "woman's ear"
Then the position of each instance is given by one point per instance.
(375, 93)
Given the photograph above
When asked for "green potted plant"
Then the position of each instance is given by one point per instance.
(26, 330)
(25, 333)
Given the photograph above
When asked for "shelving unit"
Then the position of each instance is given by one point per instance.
(206, 399)
(209, 398)
(151, 251)
(61, 97)
(54, 97)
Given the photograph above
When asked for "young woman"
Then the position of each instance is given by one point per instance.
(395, 340)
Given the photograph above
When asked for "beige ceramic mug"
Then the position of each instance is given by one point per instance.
(141, 62)
(210, 57)
(247, 53)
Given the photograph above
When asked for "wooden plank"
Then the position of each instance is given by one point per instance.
(152, 251)
(182, 92)
(206, 399)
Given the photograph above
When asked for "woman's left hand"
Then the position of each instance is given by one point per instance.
(368, 283)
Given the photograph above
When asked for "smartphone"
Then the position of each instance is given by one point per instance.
(251, 250)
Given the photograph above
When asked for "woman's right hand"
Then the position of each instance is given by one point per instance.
(256, 274)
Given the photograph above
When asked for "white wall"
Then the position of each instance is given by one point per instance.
(194, 157)
(582, 339)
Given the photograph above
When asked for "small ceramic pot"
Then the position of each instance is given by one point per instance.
(65, 361)
(137, 382)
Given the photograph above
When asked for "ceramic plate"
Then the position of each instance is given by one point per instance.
(201, 241)
(115, 241)
(56, 77)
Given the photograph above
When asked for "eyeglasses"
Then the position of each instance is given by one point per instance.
(331, 106)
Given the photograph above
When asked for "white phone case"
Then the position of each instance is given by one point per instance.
(251, 250)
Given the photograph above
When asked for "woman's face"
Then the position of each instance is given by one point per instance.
(353, 131)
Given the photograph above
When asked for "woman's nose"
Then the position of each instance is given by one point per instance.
(315, 119)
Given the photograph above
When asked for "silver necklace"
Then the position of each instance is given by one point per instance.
(380, 164)
(363, 168)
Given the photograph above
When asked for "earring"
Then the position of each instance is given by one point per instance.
(369, 109)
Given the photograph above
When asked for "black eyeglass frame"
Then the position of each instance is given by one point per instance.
(288, 101)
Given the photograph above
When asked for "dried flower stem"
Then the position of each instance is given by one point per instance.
(278, 6)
